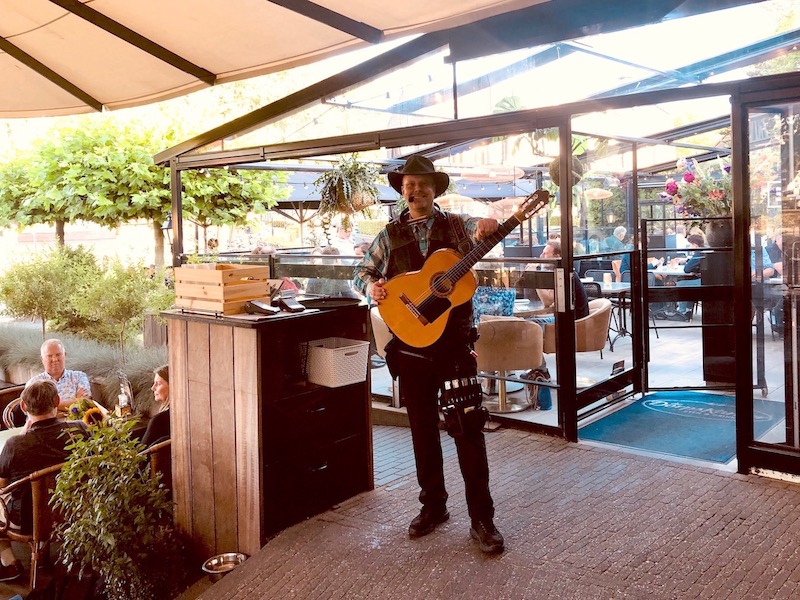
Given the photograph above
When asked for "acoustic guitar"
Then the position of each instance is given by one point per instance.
(418, 303)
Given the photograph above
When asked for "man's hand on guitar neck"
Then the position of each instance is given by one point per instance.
(486, 227)
(376, 290)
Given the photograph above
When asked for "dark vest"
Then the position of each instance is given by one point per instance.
(404, 256)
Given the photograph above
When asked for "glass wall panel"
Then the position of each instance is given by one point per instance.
(774, 176)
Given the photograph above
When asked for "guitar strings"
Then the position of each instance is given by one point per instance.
(427, 297)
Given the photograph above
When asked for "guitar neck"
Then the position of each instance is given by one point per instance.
(480, 250)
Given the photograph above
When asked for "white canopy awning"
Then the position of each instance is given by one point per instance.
(62, 57)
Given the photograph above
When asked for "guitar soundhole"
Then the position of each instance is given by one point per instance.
(441, 286)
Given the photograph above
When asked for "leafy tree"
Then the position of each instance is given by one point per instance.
(118, 299)
(15, 187)
(228, 196)
(102, 171)
(39, 287)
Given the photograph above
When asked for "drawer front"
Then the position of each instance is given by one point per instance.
(317, 418)
(312, 482)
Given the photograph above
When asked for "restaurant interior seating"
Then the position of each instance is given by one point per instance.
(507, 344)
(591, 332)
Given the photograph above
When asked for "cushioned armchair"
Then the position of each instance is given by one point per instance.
(508, 344)
(591, 332)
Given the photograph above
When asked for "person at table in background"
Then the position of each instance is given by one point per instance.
(325, 286)
(691, 265)
(612, 243)
(403, 246)
(42, 444)
(72, 385)
(775, 252)
(361, 249)
(158, 426)
(287, 284)
(775, 304)
(615, 242)
(581, 301)
(681, 241)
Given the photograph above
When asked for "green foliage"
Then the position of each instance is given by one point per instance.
(38, 287)
(118, 298)
(349, 187)
(117, 519)
(101, 170)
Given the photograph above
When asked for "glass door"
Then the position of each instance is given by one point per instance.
(768, 424)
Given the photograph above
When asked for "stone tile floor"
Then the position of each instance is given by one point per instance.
(580, 521)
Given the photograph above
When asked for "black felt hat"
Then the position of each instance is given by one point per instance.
(419, 165)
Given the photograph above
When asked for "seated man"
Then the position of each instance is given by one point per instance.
(691, 265)
(547, 296)
(41, 445)
(72, 385)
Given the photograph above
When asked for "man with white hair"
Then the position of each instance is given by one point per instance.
(72, 385)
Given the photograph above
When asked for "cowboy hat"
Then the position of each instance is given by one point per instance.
(419, 165)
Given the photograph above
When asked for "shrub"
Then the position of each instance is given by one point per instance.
(39, 286)
(116, 301)
(117, 519)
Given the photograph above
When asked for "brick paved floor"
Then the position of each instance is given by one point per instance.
(580, 522)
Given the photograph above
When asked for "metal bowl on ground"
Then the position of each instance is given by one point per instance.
(222, 564)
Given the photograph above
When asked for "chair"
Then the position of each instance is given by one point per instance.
(160, 455)
(508, 344)
(382, 335)
(42, 484)
(8, 413)
(591, 332)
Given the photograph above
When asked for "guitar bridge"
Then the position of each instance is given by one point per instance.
(414, 310)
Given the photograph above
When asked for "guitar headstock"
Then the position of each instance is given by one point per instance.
(532, 204)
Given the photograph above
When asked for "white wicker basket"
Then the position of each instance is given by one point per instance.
(335, 362)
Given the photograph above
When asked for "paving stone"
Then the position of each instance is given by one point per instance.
(581, 522)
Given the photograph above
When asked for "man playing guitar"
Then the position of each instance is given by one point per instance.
(402, 247)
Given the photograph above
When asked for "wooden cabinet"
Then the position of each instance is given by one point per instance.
(255, 447)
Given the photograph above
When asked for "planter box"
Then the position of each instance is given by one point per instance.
(219, 288)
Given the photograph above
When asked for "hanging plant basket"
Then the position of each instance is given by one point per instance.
(577, 171)
(348, 188)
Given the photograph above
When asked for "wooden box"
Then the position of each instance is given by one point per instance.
(219, 288)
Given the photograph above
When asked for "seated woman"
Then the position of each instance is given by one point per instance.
(158, 427)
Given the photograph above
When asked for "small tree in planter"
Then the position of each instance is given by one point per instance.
(119, 298)
(39, 288)
(116, 518)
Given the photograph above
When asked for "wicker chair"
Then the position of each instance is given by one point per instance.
(42, 483)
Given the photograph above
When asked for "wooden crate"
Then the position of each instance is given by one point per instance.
(219, 288)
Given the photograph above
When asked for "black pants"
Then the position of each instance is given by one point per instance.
(420, 378)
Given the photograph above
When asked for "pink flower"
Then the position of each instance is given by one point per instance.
(688, 177)
(671, 187)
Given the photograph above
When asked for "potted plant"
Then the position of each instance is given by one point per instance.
(116, 517)
(350, 187)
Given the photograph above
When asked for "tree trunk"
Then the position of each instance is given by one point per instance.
(158, 238)
(60, 232)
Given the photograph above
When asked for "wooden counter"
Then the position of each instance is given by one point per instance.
(255, 447)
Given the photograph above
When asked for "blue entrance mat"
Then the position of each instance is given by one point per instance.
(691, 424)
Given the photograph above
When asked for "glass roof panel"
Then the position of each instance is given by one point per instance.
(674, 53)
